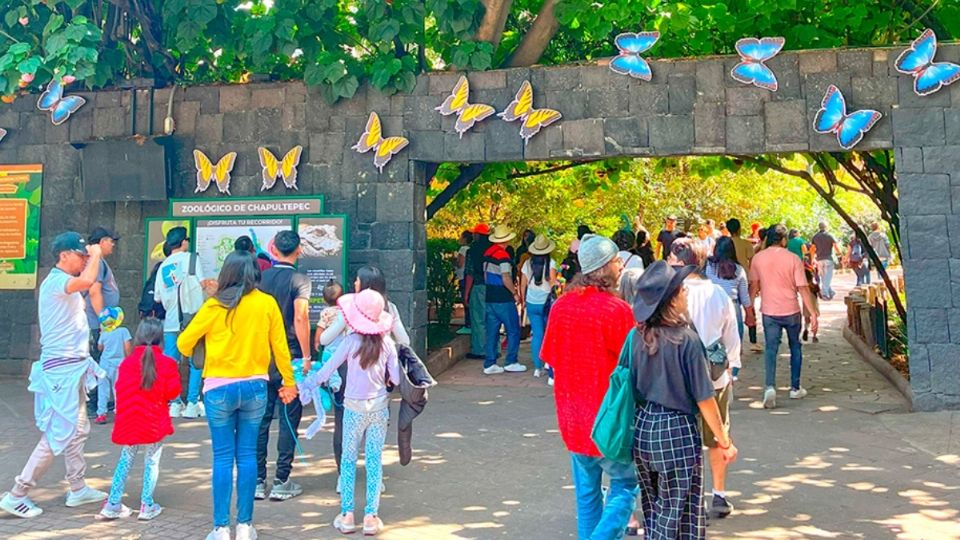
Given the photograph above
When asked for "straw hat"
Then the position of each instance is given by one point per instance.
(542, 246)
(502, 234)
(365, 312)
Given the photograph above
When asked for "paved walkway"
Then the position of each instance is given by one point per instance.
(846, 462)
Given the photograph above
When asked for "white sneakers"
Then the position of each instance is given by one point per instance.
(21, 507)
(245, 531)
(799, 393)
(175, 409)
(87, 495)
(493, 370)
(220, 533)
(770, 398)
(193, 410)
(515, 368)
(537, 373)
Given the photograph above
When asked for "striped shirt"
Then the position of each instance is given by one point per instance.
(736, 288)
(496, 263)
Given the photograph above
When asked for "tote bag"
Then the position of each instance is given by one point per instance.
(613, 429)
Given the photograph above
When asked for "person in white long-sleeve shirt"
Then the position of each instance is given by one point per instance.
(713, 315)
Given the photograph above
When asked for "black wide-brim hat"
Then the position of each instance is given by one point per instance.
(658, 283)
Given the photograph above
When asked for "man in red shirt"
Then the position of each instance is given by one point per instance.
(585, 332)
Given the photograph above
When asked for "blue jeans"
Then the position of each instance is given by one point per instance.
(772, 327)
(505, 314)
(234, 413)
(826, 278)
(596, 520)
(538, 323)
(193, 387)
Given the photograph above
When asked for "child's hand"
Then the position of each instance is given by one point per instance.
(307, 364)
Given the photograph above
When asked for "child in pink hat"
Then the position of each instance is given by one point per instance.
(372, 362)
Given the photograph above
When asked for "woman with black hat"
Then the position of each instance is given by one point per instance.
(672, 381)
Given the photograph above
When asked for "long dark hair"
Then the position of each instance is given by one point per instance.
(670, 315)
(238, 277)
(725, 258)
(540, 265)
(149, 333)
(371, 345)
(372, 278)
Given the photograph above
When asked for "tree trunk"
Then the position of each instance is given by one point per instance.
(494, 21)
(536, 39)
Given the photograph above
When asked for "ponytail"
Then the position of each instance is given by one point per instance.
(148, 368)
(371, 346)
(149, 334)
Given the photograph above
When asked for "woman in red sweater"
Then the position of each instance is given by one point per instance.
(146, 382)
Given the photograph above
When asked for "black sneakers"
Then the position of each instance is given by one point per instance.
(720, 508)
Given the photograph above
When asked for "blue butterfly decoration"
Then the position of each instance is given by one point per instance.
(629, 62)
(928, 76)
(60, 107)
(753, 53)
(833, 118)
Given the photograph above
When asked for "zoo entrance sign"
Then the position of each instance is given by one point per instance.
(189, 208)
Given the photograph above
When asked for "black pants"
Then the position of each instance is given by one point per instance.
(338, 416)
(286, 442)
(95, 354)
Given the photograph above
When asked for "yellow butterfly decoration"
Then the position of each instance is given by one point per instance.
(532, 120)
(208, 172)
(469, 113)
(372, 139)
(285, 168)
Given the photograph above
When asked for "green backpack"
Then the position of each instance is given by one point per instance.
(613, 429)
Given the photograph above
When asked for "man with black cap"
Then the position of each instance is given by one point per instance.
(60, 378)
(103, 294)
(178, 288)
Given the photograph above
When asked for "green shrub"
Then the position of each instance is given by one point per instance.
(442, 291)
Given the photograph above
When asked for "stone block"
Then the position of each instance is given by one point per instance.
(395, 202)
(944, 367)
(107, 123)
(502, 141)
(786, 121)
(924, 194)
(583, 138)
(356, 167)
(208, 96)
(746, 101)
(33, 129)
(555, 78)
(951, 120)
(572, 104)
(918, 127)
(815, 89)
(594, 76)
(270, 96)
(672, 134)
(420, 113)
(398, 170)
(266, 124)
(824, 61)
(745, 134)
(423, 86)
(942, 159)
(56, 134)
(875, 92)
(107, 100)
(786, 66)
(239, 126)
(620, 134)
(930, 325)
(682, 92)
(541, 145)
(953, 323)
(327, 148)
(928, 237)
(9, 119)
(467, 150)
(366, 197)
(234, 98)
(859, 63)
(908, 159)
(394, 235)
(428, 145)
(294, 117)
(710, 126)
(295, 92)
(909, 98)
(185, 116)
(487, 80)
(603, 103)
(317, 115)
(401, 265)
(376, 100)
(710, 74)
(649, 99)
(515, 77)
(443, 83)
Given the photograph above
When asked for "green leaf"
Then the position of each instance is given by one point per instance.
(30, 65)
(346, 87)
(54, 24)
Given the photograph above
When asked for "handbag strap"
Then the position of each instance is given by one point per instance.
(626, 352)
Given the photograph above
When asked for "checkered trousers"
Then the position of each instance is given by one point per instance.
(669, 460)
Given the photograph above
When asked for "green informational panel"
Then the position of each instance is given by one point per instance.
(20, 197)
(214, 237)
(324, 242)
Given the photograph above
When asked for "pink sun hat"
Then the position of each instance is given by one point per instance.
(365, 312)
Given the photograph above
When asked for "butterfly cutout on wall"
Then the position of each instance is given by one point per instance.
(629, 62)
(60, 107)
(285, 168)
(928, 76)
(207, 172)
(468, 113)
(3, 133)
(753, 53)
(833, 118)
(532, 120)
(372, 139)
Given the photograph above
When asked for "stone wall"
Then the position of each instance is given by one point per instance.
(691, 107)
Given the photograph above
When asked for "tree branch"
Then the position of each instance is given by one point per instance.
(467, 174)
(536, 39)
(549, 170)
(494, 21)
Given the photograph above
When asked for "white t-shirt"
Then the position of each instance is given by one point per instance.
(462, 252)
(64, 330)
(630, 260)
(712, 313)
(170, 275)
(537, 294)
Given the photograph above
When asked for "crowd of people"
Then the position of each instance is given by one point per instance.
(677, 313)
(246, 335)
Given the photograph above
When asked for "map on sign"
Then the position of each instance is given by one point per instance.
(215, 238)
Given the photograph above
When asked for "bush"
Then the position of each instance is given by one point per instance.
(442, 287)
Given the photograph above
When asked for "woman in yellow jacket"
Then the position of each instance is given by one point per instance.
(240, 326)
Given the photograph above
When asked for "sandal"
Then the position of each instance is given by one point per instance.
(372, 530)
(341, 524)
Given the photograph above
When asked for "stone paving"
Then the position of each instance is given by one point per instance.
(846, 462)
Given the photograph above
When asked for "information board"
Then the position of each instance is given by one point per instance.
(20, 197)
(155, 234)
(215, 237)
(323, 242)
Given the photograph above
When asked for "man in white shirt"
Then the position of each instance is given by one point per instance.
(178, 291)
(59, 376)
(713, 315)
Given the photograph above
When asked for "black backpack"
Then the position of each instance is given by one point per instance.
(148, 307)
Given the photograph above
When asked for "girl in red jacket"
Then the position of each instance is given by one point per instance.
(146, 382)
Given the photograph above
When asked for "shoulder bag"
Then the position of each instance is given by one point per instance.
(613, 428)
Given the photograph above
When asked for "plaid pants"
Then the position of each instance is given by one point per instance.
(669, 460)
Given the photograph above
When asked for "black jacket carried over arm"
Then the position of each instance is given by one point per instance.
(414, 382)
